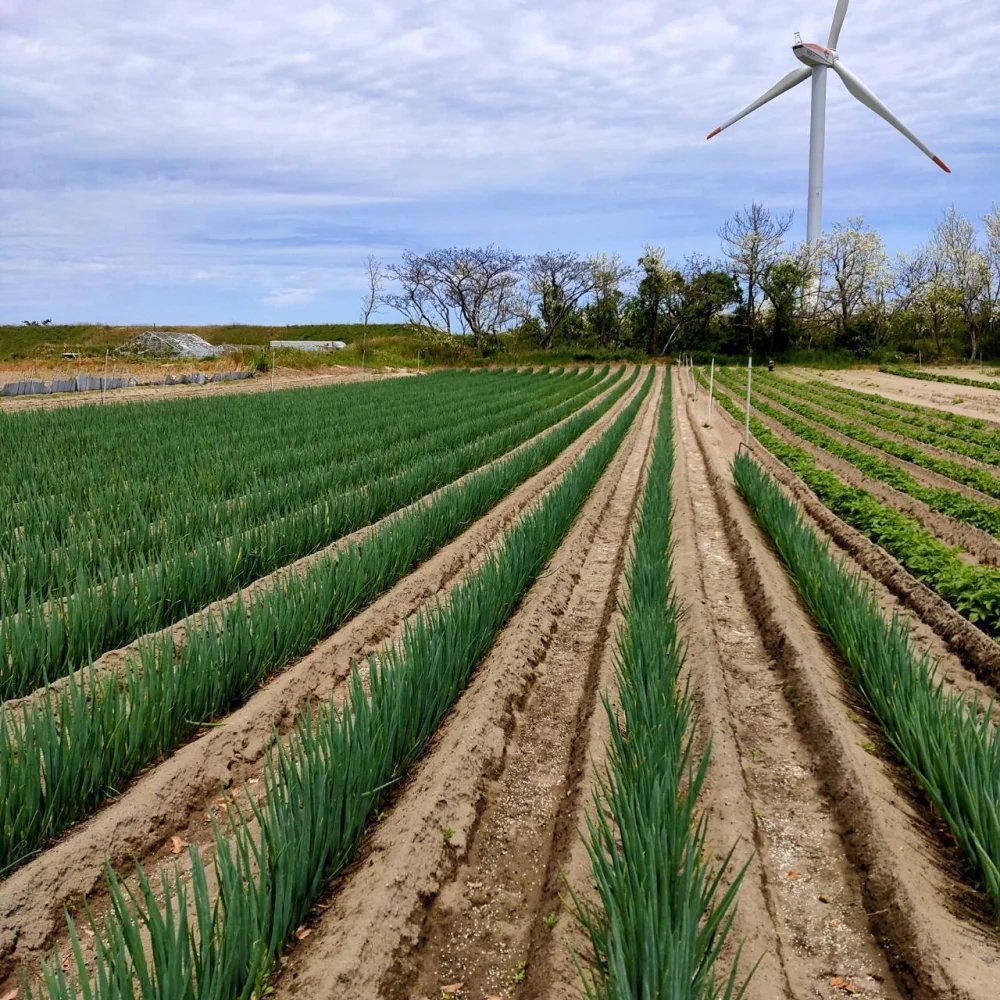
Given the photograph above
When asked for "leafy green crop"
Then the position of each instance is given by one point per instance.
(932, 376)
(952, 750)
(973, 590)
(660, 920)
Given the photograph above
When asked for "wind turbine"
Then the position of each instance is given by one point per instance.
(818, 59)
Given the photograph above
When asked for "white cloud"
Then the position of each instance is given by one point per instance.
(173, 143)
(282, 298)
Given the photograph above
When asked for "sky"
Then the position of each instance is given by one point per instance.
(211, 162)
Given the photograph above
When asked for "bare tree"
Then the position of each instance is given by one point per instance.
(752, 241)
(468, 290)
(559, 281)
(991, 254)
(374, 283)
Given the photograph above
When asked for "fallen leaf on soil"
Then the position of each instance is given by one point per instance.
(840, 983)
(10, 996)
(451, 989)
(302, 933)
(177, 845)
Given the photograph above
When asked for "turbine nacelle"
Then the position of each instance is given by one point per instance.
(814, 54)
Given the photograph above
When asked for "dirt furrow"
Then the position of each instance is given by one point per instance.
(804, 907)
(455, 877)
(849, 883)
(984, 404)
(175, 797)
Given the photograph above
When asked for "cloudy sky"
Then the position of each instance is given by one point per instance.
(196, 162)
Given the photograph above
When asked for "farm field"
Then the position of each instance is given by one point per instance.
(508, 683)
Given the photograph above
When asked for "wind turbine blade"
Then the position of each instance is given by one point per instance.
(838, 23)
(866, 97)
(793, 79)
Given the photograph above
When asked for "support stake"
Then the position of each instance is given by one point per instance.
(711, 387)
(746, 436)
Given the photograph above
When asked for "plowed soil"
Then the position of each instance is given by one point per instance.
(462, 887)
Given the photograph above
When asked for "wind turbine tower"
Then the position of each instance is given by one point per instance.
(818, 60)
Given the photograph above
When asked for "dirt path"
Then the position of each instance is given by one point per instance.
(175, 797)
(460, 872)
(847, 884)
(975, 402)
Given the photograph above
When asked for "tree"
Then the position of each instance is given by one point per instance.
(991, 255)
(469, 290)
(782, 285)
(751, 242)
(853, 257)
(966, 269)
(708, 291)
(603, 314)
(559, 281)
(655, 310)
(374, 283)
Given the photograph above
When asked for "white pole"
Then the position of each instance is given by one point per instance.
(418, 362)
(711, 386)
(817, 144)
(694, 381)
(920, 359)
(104, 381)
(272, 369)
(746, 439)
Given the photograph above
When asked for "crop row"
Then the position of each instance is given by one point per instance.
(45, 640)
(956, 428)
(977, 478)
(659, 921)
(64, 754)
(951, 750)
(933, 376)
(902, 425)
(968, 510)
(973, 590)
(171, 938)
(129, 516)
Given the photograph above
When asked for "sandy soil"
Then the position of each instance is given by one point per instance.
(284, 378)
(849, 881)
(975, 402)
(177, 797)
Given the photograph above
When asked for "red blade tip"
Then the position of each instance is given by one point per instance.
(712, 134)
(944, 166)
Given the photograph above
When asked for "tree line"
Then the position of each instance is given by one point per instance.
(762, 294)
